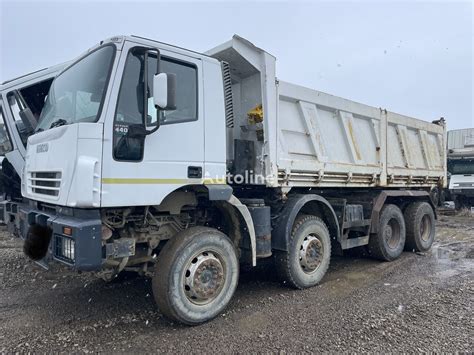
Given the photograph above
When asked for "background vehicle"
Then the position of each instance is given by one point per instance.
(16, 97)
(461, 166)
(128, 169)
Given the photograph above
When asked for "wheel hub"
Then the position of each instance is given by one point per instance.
(204, 278)
(311, 253)
(425, 228)
(392, 234)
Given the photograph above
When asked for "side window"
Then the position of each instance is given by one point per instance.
(186, 91)
(130, 105)
(5, 144)
(15, 107)
(32, 96)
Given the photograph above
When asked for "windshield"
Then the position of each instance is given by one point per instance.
(76, 95)
(462, 167)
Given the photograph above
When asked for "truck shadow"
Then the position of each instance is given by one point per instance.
(94, 304)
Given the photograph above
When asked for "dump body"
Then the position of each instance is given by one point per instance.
(308, 138)
(325, 140)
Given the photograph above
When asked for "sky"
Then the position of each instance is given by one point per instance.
(410, 57)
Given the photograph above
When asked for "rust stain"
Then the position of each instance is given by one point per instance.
(351, 132)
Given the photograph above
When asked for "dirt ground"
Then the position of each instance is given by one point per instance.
(420, 302)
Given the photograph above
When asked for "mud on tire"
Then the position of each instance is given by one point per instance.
(388, 243)
(309, 253)
(196, 275)
(420, 226)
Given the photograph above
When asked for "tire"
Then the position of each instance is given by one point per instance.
(388, 243)
(179, 292)
(420, 225)
(297, 268)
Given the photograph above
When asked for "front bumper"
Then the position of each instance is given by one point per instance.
(76, 234)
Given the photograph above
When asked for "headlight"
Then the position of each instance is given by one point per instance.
(65, 249)
(68, 248)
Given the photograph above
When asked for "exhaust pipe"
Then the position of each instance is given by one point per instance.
(37, 242)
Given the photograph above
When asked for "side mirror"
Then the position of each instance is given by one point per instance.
(164, 91)
(29, 120)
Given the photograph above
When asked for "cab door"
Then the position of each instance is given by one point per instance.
(8, 149)
(140, 171)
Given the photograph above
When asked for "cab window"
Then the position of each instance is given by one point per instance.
(5, 143)
(32, 96)
(186, 91)
(15, 107)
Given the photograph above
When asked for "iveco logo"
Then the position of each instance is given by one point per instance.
(42, 148)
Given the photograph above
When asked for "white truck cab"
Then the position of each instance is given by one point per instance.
(103, 95)
(461, 166)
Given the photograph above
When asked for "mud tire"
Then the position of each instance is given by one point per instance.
(388, 243)
(420, 226)
(171, 270)
(288, 264)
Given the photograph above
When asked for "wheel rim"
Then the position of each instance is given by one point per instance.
(204, 277)
(425, 228)
(392, 233)
(311, 253)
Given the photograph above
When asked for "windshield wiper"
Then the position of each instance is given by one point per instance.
(57, 123)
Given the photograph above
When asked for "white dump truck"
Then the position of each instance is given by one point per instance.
(21, 102)
(181, 166)
(461, 166)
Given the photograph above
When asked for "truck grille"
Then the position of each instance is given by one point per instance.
(45, 183)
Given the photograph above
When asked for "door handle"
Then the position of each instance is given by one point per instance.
(194, 172)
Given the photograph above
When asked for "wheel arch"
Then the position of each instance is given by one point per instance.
(311, 204)
(232, 210)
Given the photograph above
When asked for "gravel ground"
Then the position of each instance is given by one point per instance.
(420, 302)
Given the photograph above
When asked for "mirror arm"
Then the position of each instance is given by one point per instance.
(153, 130)
(145, 91)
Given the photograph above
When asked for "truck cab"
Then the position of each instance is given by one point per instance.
(26, 92)
(99, 101)
(461, 166)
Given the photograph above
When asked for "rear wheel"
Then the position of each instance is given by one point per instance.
(309, 252)
(420, 223)
(196, 275)
(387, 244)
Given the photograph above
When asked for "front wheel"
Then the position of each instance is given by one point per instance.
(309, 252)
(196, 275)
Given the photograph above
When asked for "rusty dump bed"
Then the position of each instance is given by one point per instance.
(295, 136)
